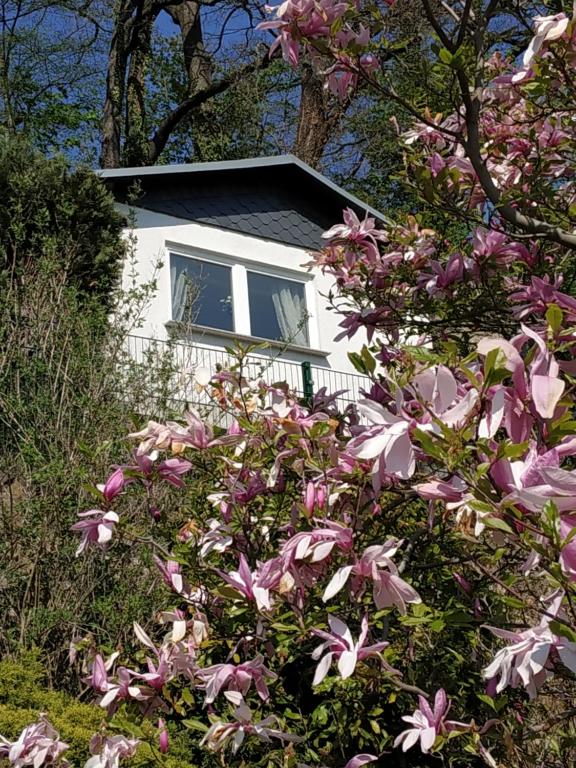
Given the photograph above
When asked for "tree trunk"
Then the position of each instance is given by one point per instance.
(197, 61)
(115, 85)
(135, 150)
(316, 120)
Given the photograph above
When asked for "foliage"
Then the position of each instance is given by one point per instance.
(65, 374)
(24, 695)
(46, 210)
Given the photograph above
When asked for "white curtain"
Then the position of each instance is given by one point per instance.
(290, 312)
(180, 285)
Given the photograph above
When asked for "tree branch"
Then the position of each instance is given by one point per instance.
(160, 138)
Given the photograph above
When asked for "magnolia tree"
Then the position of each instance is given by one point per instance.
(394, 583)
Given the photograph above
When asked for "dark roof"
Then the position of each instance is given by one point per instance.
(275, 198)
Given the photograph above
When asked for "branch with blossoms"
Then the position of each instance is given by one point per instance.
(296, 526)
(497, 166)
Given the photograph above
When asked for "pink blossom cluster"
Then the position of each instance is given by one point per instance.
(302, 501)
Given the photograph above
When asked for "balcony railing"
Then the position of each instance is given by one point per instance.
(179, 361)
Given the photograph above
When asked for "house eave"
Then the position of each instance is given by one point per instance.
(279, 161)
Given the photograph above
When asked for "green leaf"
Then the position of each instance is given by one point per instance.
(437, 625)
(368, 359)
(561, 629)
(498, 524)
(554, 318)
(445, 56)
(357, 361)
(428, 444)
(195, 725)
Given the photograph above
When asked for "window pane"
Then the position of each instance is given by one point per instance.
(201, 292)
(277, 309)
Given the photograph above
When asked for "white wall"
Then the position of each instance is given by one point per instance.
(156, 234)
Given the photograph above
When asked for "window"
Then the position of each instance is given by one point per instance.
(277, 308)
(238, 299)
(201, 292)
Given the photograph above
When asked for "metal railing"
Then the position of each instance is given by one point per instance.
(180, 360)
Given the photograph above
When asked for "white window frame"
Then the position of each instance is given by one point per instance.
(239, 268)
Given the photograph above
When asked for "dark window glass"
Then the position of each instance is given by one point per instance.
(277, 309)
(201, 292)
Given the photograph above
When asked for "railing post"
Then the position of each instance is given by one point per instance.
(307, 383)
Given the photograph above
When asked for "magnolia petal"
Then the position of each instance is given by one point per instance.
(340, 629)
(490, 423)
(510, 353)
(347, 663)
(108, 697)
(399, 457)
(178, 631)
(546, 392)
(567, 653)
(371, 447)
(337, 582)
(142, 636)
(202, 376)
(427, 738)
(321, 551)
(322, 669)
(407, 739)
(360, 760)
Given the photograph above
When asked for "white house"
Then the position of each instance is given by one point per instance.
(234, 238)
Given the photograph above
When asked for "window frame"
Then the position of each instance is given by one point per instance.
(288, 280)
(171, 253)
(239, 268)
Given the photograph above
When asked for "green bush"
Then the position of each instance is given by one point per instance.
(24, 695)
(47, 209)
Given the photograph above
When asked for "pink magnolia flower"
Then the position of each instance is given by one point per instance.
(443, 276)
(444, 490)
(314, 496)
(163, 738)
(172, 470)
(428, 723)
(120, 689)
(177, 437)
(388, 442)
(236, 677)
(440, 393)
(316, 545)
(356, 762)
(220, 734)
(172, 575)
(248, 584)
(98, 529)
(376, 564)
(539, 294)
(107, 751)
(218, 538)
(98, 678)
(159, 672)
(546, 387)
(526, 660)
(567, 557)
(362, 234)
(547, 28)
(114, 485)
(488, 243)
(340, 646)
(297, 19)
(37, 745)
